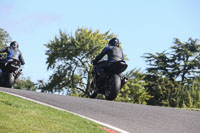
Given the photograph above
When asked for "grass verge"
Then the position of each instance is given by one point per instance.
(20, 116)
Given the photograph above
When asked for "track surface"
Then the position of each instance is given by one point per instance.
(133, 118)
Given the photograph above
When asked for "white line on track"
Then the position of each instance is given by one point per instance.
(101, 123)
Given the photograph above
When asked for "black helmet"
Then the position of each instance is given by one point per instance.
(114, 42)
(14, 44)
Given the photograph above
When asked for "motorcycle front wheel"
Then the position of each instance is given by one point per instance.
(113, 88)
(92, 91)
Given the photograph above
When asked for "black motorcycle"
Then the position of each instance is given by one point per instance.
(108, 81)
(10, 72)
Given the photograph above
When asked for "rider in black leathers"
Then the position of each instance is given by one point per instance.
(12, 53)
(114, 54)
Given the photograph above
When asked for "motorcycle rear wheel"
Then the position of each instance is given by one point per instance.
(113, 87)
(10, 80)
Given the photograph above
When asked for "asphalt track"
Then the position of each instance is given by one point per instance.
(133, 118)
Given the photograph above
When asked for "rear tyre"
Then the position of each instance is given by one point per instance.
(10, 80)
(114, 85)
(92, 91)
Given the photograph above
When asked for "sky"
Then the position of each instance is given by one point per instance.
(142, 26)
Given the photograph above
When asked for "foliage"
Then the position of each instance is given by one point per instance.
(4, 38)
(164, 91)
(25, 84)
(195, 93)
(134, 90)
(70, 57)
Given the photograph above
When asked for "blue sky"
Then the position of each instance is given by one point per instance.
(142, 26)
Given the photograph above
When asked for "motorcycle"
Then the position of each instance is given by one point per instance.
(108, 81)
(10, 73)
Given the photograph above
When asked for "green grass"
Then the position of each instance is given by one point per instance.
(21, 116)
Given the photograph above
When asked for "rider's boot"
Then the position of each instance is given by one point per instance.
(123, 81)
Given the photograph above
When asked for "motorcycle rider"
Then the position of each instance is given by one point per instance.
(114, 54)
(12, 53)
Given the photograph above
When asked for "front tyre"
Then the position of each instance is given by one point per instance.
(113, 88)
(92, 91)
(10, 80)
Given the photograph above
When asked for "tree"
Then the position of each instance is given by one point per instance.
(4, 38)
(70, 57)
(170, 75)
(25, 84)
(181, 64)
